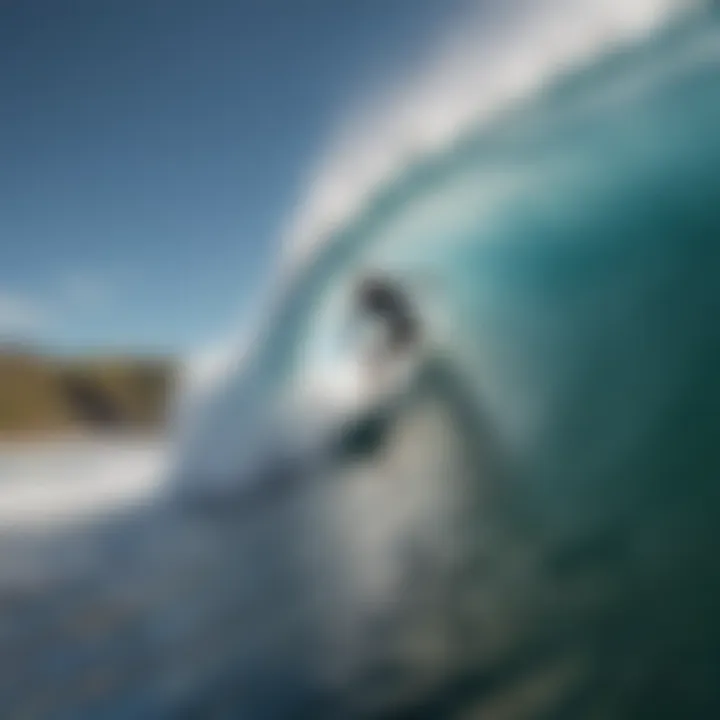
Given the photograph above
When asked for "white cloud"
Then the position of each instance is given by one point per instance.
(19, 316)
(24, 317)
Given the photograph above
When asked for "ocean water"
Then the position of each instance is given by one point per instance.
(519, 520)
(560, 256)
(549, 483)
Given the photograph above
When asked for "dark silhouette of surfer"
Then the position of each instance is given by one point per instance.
(427, 372)
(380, 300)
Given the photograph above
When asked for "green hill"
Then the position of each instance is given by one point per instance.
(42, 394)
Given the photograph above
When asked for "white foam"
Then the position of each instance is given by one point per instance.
(59, 483)
(481, 67)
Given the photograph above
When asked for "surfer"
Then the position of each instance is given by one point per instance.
(388, 363)
(402, 367)
(398, 365)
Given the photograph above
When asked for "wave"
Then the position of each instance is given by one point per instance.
(485, 63)
(504, 226)
(495, 539)
(493, 60)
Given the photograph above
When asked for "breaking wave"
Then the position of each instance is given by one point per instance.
(528, 235)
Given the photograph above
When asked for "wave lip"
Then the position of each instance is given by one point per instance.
(478, 70)
(482, 68)
(245, 393)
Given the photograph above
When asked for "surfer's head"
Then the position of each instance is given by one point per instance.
(383, 299)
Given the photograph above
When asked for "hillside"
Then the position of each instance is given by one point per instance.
(42, 394)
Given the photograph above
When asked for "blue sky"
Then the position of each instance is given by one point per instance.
(151, 152)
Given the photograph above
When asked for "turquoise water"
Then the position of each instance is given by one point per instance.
(550, 498)
(568, 250)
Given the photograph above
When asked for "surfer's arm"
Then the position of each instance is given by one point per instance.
(365, 432)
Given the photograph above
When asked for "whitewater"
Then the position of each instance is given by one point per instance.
(531, 529)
